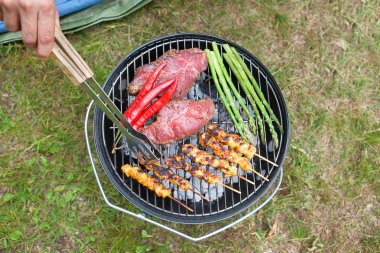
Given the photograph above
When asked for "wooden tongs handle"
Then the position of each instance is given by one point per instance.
(69, 60)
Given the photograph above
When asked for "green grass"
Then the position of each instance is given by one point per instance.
(325, 57)
(300, 231)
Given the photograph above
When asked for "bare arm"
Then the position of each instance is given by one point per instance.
(35, 19)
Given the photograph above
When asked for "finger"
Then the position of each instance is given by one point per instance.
(29, 14)
(46, 28)
(1, 15)
(12, 20)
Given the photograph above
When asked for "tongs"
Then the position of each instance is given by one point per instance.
(77, 70)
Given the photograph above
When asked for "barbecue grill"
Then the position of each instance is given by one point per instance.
(229, 203)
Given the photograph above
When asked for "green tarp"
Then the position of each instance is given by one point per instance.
(107, 10)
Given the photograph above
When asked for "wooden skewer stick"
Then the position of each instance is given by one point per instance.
(257, 173)
(245, 179)
(229, 187)
(182, 204)
(200, 195)
(263, 158)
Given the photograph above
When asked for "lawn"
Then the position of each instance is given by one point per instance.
(325, 55)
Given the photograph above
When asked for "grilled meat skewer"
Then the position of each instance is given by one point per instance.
(178, 162)
(166, 174)
(207, 140)
(150, 182)
(204, 158)
(143, 178)
(235, 142)
(232, 140)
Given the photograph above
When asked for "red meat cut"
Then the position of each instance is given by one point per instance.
(185, 64)
(178, 119)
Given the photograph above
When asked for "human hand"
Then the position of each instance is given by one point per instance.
(35, 19)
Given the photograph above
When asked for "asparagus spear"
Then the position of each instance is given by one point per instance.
(251, 120)
(221, 93)
(256, 86)
(253, 93)
(250, 99)
(230, 99)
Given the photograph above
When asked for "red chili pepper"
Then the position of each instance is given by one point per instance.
(149, 96)
(155, 107)
(146, 87)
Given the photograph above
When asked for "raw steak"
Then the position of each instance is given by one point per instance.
(186, 64)
(178, 119)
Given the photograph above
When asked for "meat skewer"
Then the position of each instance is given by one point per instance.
(235, 142)
(178, 162)
(166, 174)
(204, 158)
(150, 182)
(207, 140)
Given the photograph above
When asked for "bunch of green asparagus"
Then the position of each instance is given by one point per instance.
(224, 85)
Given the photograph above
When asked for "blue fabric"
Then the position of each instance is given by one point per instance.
(65, 7)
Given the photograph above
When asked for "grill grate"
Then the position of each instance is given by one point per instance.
(229, 203)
